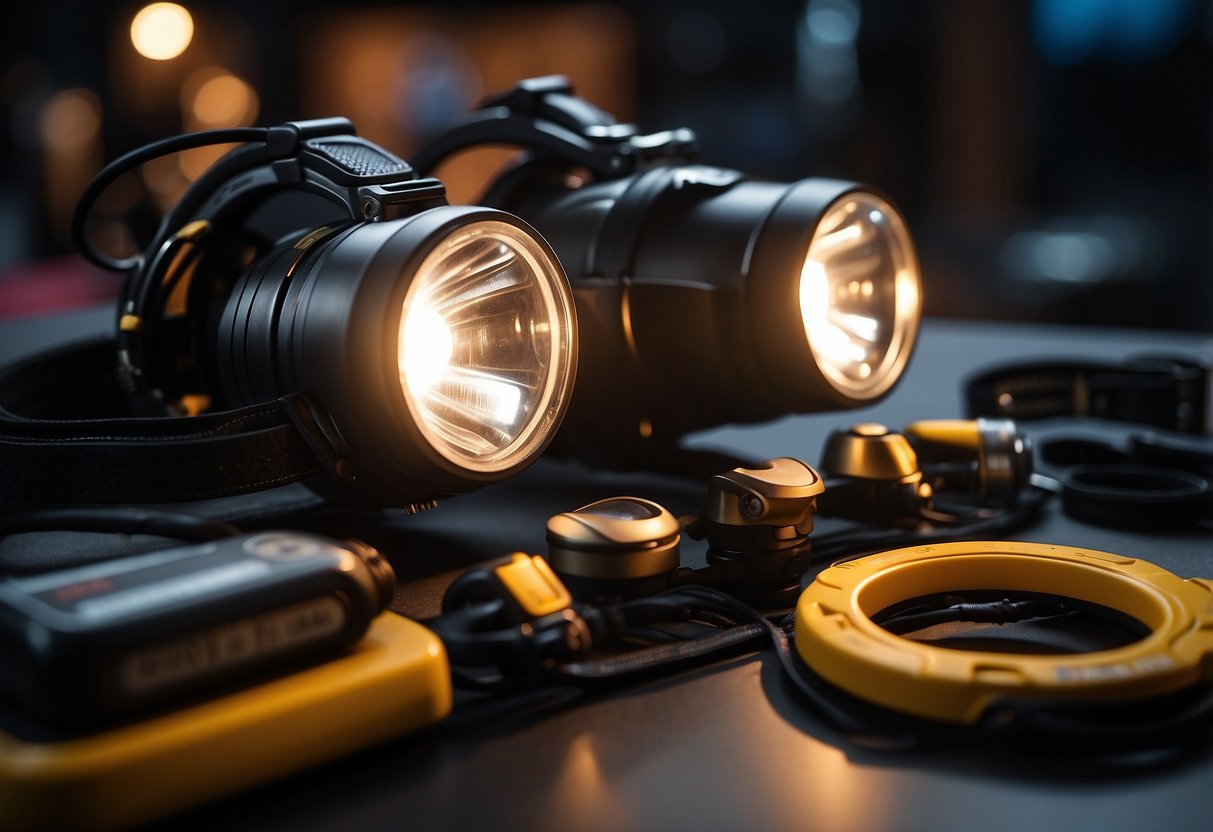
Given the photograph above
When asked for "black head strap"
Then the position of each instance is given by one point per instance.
(66, 433)
(64, 439)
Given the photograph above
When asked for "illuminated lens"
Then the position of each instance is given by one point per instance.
(485, 351)
(859, 295)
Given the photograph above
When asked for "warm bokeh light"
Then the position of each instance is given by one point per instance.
(194, 162)
(213, 97)
(162, 31)
(69, 131)
(403, 72)
(70, 120)
(165, 180)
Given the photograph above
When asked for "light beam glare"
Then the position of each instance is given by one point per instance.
(426, 346)
(488, 398)
(864, 327)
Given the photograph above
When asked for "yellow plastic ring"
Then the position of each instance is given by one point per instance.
(837, 639)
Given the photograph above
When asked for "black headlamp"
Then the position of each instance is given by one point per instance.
(703, 296)
(313, 307)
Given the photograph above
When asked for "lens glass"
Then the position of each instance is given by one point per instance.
(859, 295)
(486, 350)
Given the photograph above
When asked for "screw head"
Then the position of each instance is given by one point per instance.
(752, 506)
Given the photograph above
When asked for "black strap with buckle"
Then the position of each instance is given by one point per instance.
(1167, 392)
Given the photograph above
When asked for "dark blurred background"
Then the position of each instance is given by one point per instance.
(1052, 156)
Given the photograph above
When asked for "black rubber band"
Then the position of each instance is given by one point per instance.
(65, 439)
(1135, 496)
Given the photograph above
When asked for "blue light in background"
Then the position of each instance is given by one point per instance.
(1070, 32)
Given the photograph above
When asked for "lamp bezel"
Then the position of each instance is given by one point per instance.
(781, 247)
(351, 298)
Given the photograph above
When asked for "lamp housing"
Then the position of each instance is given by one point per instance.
(313, 309)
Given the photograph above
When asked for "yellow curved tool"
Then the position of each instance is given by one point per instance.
(837, 639)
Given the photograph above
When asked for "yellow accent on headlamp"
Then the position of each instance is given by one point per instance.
(837, 639)
(957, 433)
(534, 586)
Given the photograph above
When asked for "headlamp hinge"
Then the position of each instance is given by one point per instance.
(399, 199)
(544, 115)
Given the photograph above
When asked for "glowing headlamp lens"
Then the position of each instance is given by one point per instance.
(859, 295)
(485, 346)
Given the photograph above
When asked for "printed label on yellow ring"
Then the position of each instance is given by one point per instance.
(837, 639)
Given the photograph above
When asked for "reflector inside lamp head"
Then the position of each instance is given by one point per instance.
(859, 296)
(482, 346)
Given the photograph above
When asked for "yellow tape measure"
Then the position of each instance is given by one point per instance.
(837, 639)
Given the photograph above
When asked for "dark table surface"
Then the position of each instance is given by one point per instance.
(726, 746)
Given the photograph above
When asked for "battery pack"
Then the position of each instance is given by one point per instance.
(395, 680)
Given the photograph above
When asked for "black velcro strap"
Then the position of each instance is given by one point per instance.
(64, 439)
(1170, 393)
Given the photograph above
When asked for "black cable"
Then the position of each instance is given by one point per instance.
(648, 636)
(662, 656)
(955, 517)
(466, 679)
(810, 688)
(1005, 611)
(1080, 727)
(499, 660)
(653, 608)
(128, 161)
(1170, 719)
(146, 297)
(853, 543)
(821, 697)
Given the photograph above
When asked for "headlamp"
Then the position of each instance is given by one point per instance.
(328, 313)
(440, 345)
(703, 296)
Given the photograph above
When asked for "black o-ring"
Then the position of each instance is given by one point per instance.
(1135, 496)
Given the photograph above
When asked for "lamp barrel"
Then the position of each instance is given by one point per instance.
(690, 282)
